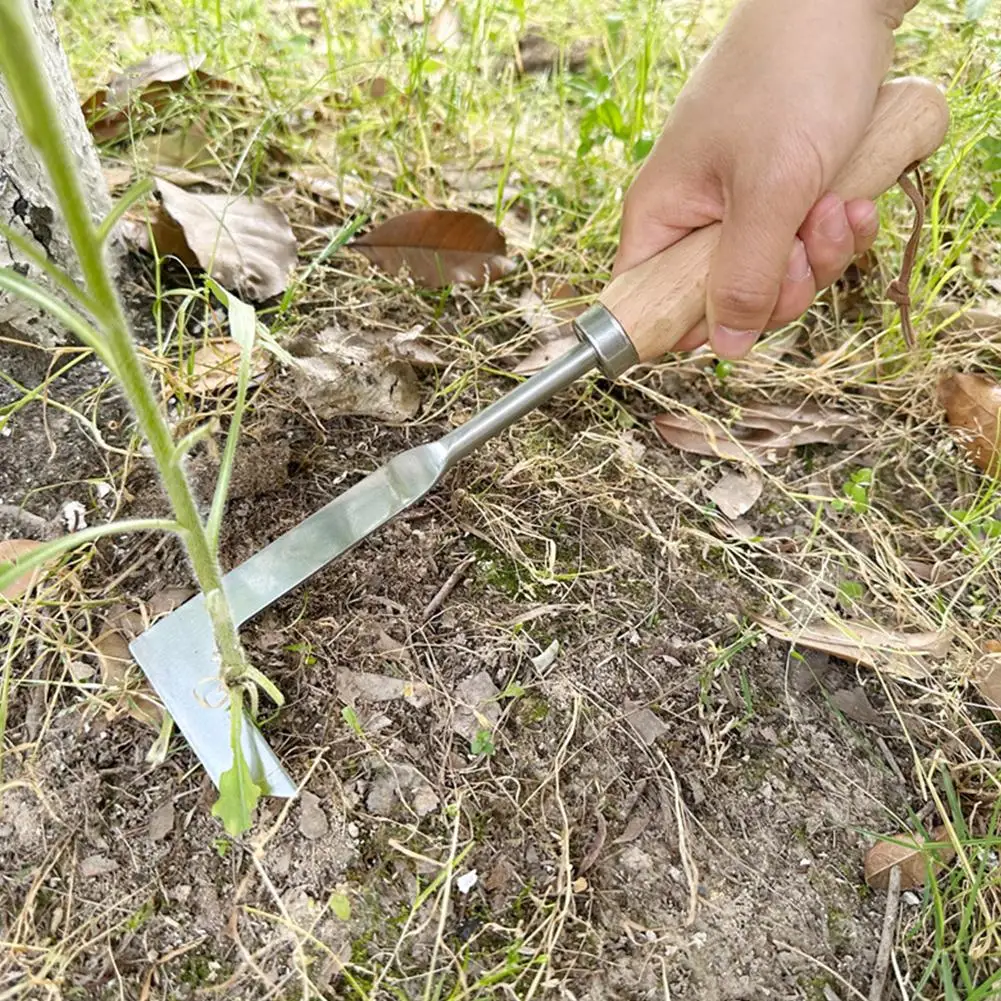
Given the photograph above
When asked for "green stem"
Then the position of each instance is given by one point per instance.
(36, 112)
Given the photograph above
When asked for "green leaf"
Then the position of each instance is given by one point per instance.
(482, 743)
(238, 795)
(351, 718)
(341, 906)
(975, 9)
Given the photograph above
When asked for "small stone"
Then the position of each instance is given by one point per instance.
(97, 865)
(478, 707)
(645, 722)
(312, 820)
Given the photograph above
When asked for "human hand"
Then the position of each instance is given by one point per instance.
(759, 131)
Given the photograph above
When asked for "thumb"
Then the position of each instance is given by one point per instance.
(748, 268)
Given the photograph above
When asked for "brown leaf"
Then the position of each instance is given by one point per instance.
(151, 81)
(216, 365)
(538, 358)
(987, 676)
(344, 191)
(973, 406)
(438, 247)
(181, 149)
(912, 854)
(116, 664)
(10, 551)
(550, 319)
(536, 54)
(855, 704)
(736, 493)
(871, 646)
(763, 432)
(161, 821)
(117, 177)
(246, 244)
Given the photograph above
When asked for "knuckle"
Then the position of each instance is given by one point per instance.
(744, 297)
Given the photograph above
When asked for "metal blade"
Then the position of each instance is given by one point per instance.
(177, 653)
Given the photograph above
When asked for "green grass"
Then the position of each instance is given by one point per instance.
(568, 144)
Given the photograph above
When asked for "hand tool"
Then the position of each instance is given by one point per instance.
(639, 316)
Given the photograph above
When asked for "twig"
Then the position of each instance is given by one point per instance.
(899, 289)
(886, 939)
(447, 588)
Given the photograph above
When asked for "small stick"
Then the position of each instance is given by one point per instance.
(886, 939)
(447, 588)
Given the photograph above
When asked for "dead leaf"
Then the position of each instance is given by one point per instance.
(179, 150)
(538, 358)
(97, 865)
(536, 54)
(150, 82)
(216, 366)
(855, 704)
(340, 372)
(736, 493)
(411, 346)
(400, 783)
(438, 247)
(445, 29)
(116, 664)
(10, 551)
(635, 826)
(117, 177)
(647, 724)
(345, 191)
(365, 686)
(550, 319)
(763, 432)
(478, 708)
(161, 821)
(246, 244)
(312, 820)
(973, 406)
(912, 854)
(859, 643)
(987, 676)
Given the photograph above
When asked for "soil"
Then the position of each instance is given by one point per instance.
(659, 821)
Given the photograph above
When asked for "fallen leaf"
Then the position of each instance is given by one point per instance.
(340, 372)
(647, 724)
(312, 820)
(150, 82)
(353, 686)
(345, 191)
(411, 346)
(636, 825)
(97, 865)
(987, 676)
(116, 664)
(161, 821)
(973, 406)
(10, 551)
(117, 177)
(538, 358)
(736, 493)
(550, 319)
(400, 783)
(445, 29)
(182, 149)
(478, 708)
(858, 643)
(246, 244)
(216, 366)
(763, 432)
(501, 876)
(912, 854)
(855, 704)
(438, 247)
(536, 54)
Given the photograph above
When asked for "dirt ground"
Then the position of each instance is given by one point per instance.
(653, 812)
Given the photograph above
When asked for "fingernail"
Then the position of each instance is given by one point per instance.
(729, 343)
(833, 224)
(868, 224)
(798, 269)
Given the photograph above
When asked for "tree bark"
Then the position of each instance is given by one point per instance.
(26, 201)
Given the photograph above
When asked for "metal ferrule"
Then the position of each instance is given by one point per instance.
(610, 342)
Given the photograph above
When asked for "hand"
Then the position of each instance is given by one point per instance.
(759, 131)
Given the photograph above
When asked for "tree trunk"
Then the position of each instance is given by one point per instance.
(26, 202)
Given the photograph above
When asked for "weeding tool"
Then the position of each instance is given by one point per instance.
(638, 318)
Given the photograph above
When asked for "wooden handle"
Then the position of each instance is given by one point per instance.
(660, 300)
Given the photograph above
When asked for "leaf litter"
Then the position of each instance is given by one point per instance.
(245, 244)
(11, 550)
(973, 407)
(437, 248)
(914, 855)
(736, 493)
(551, 321)
(763, 432)
(860, 643)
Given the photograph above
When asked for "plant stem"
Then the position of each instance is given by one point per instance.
(36, 111)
